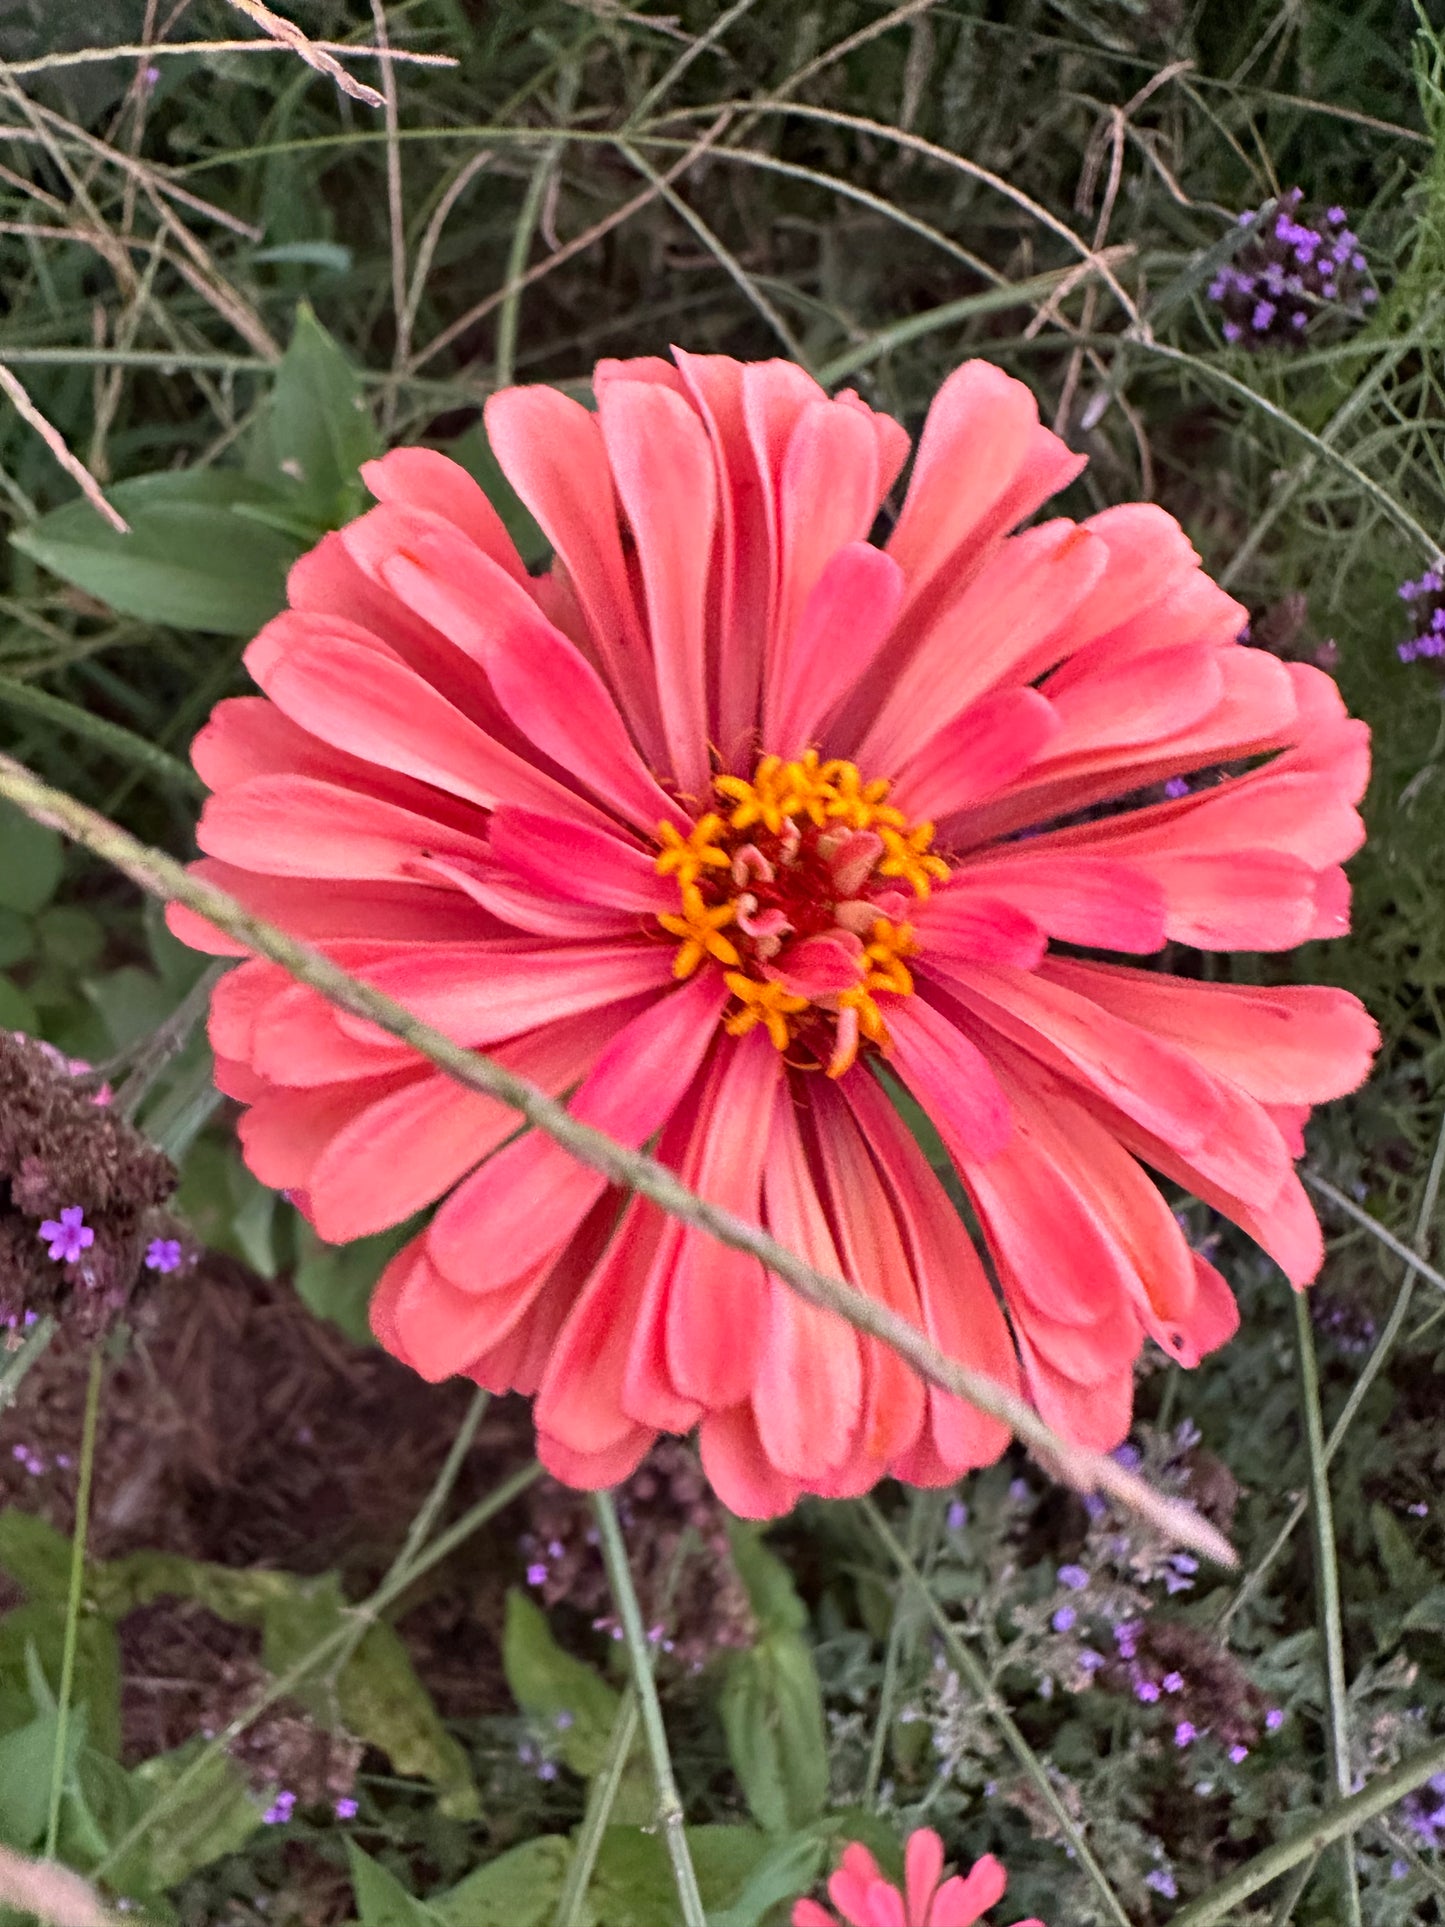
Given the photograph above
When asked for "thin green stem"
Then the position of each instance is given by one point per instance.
(670, 1815)
(122, 743)
(431, 1505)
(982, 1687)
(72, 1603)
(1327, 1579)
(1384, 1345)
(1222, 1902)
(892, 1663)
(18, 1363)
(1293, 1893)
(601, 1798)
(163, 877)
(1387, 1238)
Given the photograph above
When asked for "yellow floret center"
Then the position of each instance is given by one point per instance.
(801, 861)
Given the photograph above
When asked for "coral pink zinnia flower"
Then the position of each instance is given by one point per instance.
(865, 1899)
(728, 827)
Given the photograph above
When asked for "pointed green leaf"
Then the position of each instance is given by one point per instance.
(548, 1684)
(192, 558)
(517, 1889)
(321, 427)
(381, 1900)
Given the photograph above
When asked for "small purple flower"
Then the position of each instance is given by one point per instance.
(280, 1809)
(1239, 1754)
(1274, 1719)
(1126, 1638)
(957, 1515)
(1162, 1882)
(69, 1234)
(1063, 1619)
(1173, 1682)
(1147, 1691)
(536, 1574)
(564, 1721)
(1176, 787)
(1419, 1510)
(345, 1809)
(163, 1254)
(1074, 1577)
(1185, 1733)
(1090, 1661)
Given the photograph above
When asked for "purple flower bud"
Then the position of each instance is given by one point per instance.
(1063, 1619)
(1147, 1691)
(1162, 1882)
(1074, 1577)
(957, 1515)
(1185, 1733)
(1274, 1719)
(345, 1809)
(163, 1254)
(1173, 1682)
(536, 1573)
(1238, 1754)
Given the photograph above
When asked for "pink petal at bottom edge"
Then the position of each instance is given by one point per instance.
(922, 1871)
(739, 1470)
(964, 1899)
(807, 1913)
(595, 1471)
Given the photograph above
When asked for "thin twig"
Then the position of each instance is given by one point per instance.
(161, 49)
(288, 35)
(161, 876)
(55, 442)
(670, 1815)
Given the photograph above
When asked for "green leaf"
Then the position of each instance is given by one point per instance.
(1408, 1573)
(307, 254)
(474, 452)
(216, 1815)
(132, 1002)
(31, 858)
(35, 1555)
(788, 1869)
(336, 1281)
(240, 1594)
(633, 1885)
(17, 938)
(1427, 1615)
(546, 1682)
(321, 427)
(772, 1714)
(16, 1010)
(71, 938)
(191, 559)
(381, 1900)
(26, 1761)
(771, 1592)
(517, 1889)
(31, 1641)
(377, 1695)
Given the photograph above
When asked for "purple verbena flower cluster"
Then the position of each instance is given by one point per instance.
(1293, 268)
(1424, 1812)
(1425, 601)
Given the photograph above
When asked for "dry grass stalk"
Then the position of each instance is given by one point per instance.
(55, 442)
(290, 36)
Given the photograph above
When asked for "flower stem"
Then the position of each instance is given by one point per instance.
(72, 1607)
(639, 1654)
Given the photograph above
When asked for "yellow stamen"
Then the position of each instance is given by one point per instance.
(762, 1003)
(687, 857)
(699, 928)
